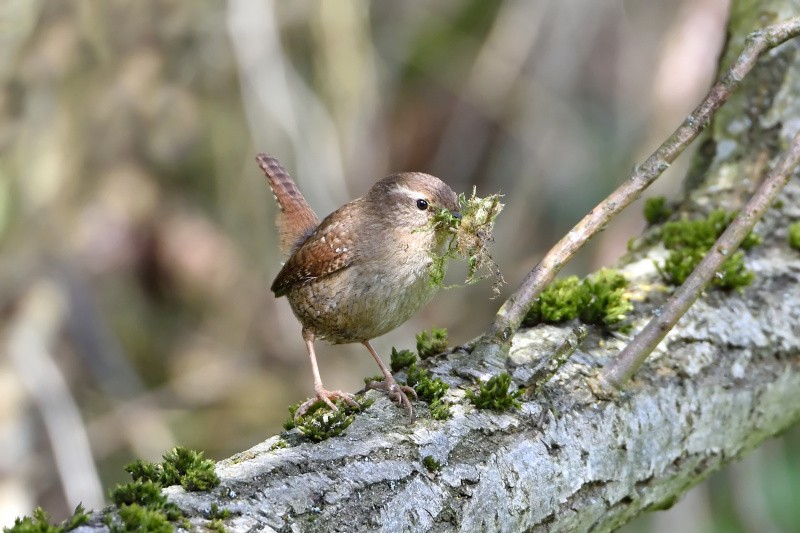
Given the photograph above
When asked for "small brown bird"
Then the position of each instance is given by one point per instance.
(363, 270)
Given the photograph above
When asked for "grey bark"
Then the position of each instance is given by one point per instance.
(724, 380)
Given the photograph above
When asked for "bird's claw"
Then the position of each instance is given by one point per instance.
(328, 397)
(395, 391)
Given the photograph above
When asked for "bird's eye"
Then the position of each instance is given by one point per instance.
(422, 204)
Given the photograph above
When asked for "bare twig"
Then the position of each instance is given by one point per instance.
(545, 371)
(616, 373)
(510, 315)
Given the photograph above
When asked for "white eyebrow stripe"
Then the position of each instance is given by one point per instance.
(409, 192)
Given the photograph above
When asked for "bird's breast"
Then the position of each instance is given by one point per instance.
(366, 299)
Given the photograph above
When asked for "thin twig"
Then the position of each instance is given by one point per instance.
(547, 369)
(616, 373)
(510, 315)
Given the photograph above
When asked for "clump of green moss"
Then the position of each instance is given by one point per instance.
(430, 390)
(320, 422)
(430, 343)
(279, 445)
(690, 240)
(431, 464)
(141, 506)
(136, 517)
(403, 359)
(496, 394)
(216, 513)
(599, 299)
(656, 210)
(559, 302)
(181, 466)
(440, 410)
(604, 300)
(39, 522)
(373, 378)
(217, 525)
(325, 424)
(216, 517)
(702, 232)
(794, 235)
(289, 424)
(470, 237)
(147, 495)
(425, 385)
(731, 275)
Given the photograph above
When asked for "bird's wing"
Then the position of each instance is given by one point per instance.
(328, 249)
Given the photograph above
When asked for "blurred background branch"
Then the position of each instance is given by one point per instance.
(127, 186)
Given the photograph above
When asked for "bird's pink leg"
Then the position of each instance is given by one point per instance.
(395, 391)
(327, 396)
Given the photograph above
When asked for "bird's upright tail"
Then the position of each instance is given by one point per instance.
(296, 220)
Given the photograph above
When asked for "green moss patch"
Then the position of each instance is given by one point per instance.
(440, 410)
(559, 302)
(600, 299)
(794, 235)
(496, 394)
(279, 445)
(656, 210)
(136, 517)
(430, 390)
(39, 522)
(604, 300)
(430, 343)
(145, 493)
(181, 466)
(403, 359)
(431, 464)
(688, 241)
(140, 504)
(321, 423)
(702, 232)
(425, 385)
(216, 517)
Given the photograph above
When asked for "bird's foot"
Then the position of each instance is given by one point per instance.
(328, 397)
(395, 391)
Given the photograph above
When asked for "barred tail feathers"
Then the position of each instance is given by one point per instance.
(295, 220)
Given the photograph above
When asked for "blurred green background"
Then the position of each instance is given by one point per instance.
(136, 233)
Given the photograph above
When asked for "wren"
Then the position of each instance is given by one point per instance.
(362, 271)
